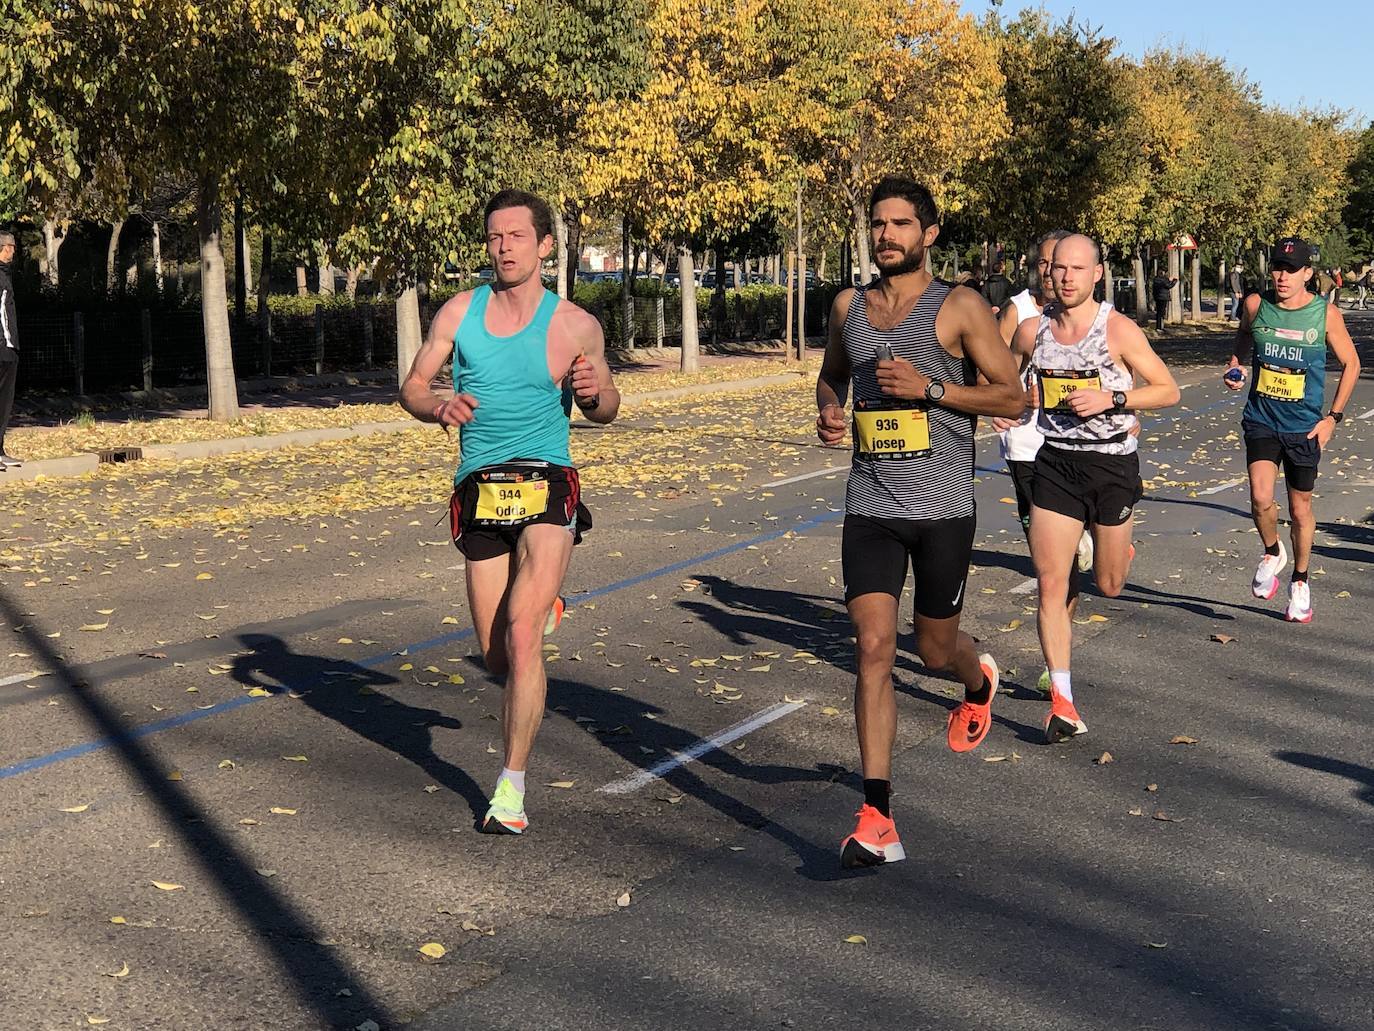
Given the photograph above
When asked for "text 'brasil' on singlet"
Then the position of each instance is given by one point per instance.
(1288, 374)
(522, 413)
(912, 460)
(1086, 364)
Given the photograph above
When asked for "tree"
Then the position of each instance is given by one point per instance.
(1359, 207)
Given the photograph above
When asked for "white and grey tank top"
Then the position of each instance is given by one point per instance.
(1087, 364)
(934, 480)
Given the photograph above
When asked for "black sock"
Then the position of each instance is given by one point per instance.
(877, 794)
(1273, 549)
(981, 696)
(1300, 578)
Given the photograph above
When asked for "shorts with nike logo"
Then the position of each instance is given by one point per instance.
(876, 552)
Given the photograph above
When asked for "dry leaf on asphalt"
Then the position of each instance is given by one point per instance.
(1182, 739)
(1104, 759)
(123, 971)
(90, 1019)
(560, 784)
(295, 758)
(1221, 638)
(75, 808)
(279, 811)
(92, 627)
(623, 901)
(1156, 945)
(856, 939)
(166, 885)
(1163, 817)
(432, 952)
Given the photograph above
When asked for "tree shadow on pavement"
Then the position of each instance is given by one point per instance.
(1361, 535)
(330, 686)
(1363, 776)
(314, 972)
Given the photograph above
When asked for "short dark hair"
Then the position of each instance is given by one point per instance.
(539, 209)
(909, 190)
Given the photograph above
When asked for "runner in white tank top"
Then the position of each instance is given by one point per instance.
(1087, 358)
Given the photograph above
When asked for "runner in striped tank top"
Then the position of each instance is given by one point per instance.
(1087, 357)
(913, 348)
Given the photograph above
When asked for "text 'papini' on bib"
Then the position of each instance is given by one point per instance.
(1056, 386)
(1281, 384)
(891, 433)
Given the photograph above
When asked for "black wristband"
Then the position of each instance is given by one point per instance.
(1335, 416)
(590, 405)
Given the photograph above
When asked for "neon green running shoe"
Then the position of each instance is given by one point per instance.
(507, 812)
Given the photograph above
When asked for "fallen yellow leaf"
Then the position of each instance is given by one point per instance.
(451, 620)
(90, 1019)
(93, 627)
(561, 784)
(76, 808)
(205, 576)
(167, 885)
(433, 952)
(279, 811)
(1097, 617)
(118, 920)
(259, 692)
(856, 939)
(123, 971)
(295, 758)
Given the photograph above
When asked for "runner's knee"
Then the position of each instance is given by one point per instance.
(875, 644)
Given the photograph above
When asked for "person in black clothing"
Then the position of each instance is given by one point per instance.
(997, 288)
(9, 344)
(1162, 288)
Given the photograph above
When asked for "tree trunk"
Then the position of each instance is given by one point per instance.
(326, 274)
(1222, 292)
(52, 244)
(214, 305)
(789, 279)
(351, 285)
(560, 230)
(627, 298)
(1142, 307)
(240, 266)
(691, 347)
(1108, 288)
(801, 306)
(157, 256)
(112, 255)
(718, 298)
(407, 328)
(1175, 316)
(860, 218)
(302, 287)
(574, 230)
(1197, 287)
(820, 266)
(265, 313)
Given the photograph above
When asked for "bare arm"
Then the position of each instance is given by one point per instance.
(1245, 341)
(417, 396)
(832, 384)
(1338, 339)
(1160, 389)
(1007, 323)
(593, 389)
(966, 317)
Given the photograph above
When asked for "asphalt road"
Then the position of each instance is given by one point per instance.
(273, 709)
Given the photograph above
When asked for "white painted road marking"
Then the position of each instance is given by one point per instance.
(19, 678)
(635, 781)
(1024, 588)
(1366, 415)
(805, 476)
(1220, 487)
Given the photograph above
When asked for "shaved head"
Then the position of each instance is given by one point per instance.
(1078, 240)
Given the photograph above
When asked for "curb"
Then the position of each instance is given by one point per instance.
(78, 465)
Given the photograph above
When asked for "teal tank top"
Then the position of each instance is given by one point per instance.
(1288, 377)
(522, 413)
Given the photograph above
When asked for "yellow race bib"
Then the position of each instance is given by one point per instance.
(1056, 386)
(512, 502)
(892, 433)
(1281, 384)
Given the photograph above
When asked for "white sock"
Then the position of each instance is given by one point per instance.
(516, 778)
(1059, 684)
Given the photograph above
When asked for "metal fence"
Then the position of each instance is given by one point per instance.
(127, 349)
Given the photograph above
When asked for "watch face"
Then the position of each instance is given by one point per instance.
(935, 391)
(1119, 399)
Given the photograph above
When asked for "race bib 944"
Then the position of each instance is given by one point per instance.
(512, 502)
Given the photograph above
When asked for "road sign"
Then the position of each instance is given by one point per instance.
(1184, 242)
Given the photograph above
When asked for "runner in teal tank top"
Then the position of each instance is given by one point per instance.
(520, 358)
(1289, 331)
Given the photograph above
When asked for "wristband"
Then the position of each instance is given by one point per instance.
(437, 409)
(590, 405)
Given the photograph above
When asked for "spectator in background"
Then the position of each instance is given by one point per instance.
(1162, 289)
(1364, 281)
(997, 287)
(1237, 289)
(1326, 284)
(9, 344)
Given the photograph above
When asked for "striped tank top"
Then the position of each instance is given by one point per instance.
(1087, 364)
(927, 474)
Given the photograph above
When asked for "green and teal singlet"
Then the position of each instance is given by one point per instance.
(1288, 375)
(522, 413)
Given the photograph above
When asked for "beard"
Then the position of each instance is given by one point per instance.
(910, 261)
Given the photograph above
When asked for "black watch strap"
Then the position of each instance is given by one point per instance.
(1336, 417)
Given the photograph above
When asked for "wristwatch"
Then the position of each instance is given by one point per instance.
(589, 404)
(1119, 399)
(1335, 417)
(935, 392)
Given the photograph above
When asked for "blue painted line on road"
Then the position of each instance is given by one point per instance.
(172, 723)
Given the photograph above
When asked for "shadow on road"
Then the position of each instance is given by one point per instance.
(1363, 776)
(331, 686)
(314, 972)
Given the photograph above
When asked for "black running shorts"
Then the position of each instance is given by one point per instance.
(1095, 489)
(876, 553)
(1022, 477)
(490, 507)
(1298, 455)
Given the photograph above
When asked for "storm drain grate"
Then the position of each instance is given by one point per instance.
(111, 455)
